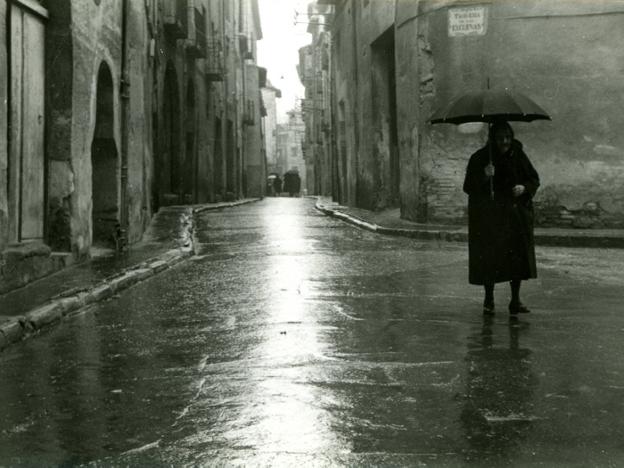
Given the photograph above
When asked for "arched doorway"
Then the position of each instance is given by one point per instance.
(170, 173)
(190, 163)
(104, 164)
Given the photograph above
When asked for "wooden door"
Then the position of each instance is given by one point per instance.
(26, 146)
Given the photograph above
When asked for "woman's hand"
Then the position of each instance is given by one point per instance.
(518, 190)
(489, 170)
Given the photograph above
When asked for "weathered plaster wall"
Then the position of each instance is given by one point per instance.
(59, 89)
(346, 83)
(255, 166)
(169, 53)
(96, 32)
(357, 26)
(373, 191)
(233, 89)
(568, 57)
(321, 171)
(204, 138)
(4, 218)
(139, 121)
(413, 79)
(270, 125)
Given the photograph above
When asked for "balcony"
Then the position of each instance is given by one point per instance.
(249, 113)
(197, 41)
(214, 60)
(175, 19)
(245, 47)
(262, 77)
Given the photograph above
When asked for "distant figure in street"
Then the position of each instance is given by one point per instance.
(277, 186)
(500, 231)
(292, 182)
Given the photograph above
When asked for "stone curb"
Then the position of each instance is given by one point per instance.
(212, 207)
(541, 239)
(71, 302)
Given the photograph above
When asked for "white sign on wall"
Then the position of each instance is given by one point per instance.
(468, 21)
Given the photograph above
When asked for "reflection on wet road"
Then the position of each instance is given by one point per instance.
(294, 339)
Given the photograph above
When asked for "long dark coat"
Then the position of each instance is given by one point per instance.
(500, 231)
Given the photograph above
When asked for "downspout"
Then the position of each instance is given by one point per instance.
(242, 191)
(356, 109)
(125, 120)
(190, 72)
(225, 111)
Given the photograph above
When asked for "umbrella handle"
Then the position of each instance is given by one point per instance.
(489, 143)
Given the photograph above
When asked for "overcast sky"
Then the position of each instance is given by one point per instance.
(278, 51)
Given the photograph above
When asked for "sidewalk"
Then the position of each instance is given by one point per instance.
(389, 222)
(167, 241)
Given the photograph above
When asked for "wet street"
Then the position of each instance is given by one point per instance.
(295, 339)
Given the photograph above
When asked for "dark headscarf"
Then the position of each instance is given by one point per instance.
(500, 125)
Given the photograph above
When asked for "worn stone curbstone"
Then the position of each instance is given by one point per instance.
(200, 209)
(170, 254)
(174, 260)
(72, 300)
(143, 273)
(124, 281)
(542, 239)
(70, 304)
(99, 293)
(356, 221)
(158, 266)
(44, 315)
(12, 331)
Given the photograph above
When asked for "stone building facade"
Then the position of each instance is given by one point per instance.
(290, 137)
(314, 68)
(116, 109)
(269, 96)
(393, 63)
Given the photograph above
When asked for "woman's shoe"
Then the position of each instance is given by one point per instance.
(488, 308)
(518, 308)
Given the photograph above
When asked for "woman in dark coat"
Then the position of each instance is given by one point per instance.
(500, 230)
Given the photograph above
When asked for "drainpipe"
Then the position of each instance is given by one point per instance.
(244, 126)
(356, 109)
(125, 112)
(226, 107)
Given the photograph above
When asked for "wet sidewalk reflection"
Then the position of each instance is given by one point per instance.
(500, 387)
(292, 339)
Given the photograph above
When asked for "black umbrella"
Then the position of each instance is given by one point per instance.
(489, 106)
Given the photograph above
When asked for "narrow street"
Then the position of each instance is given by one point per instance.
(295, 339)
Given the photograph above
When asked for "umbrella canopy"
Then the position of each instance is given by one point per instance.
(488, 106)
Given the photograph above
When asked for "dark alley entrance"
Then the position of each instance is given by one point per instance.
(104, 163)
(385, 121)
(170, 176)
